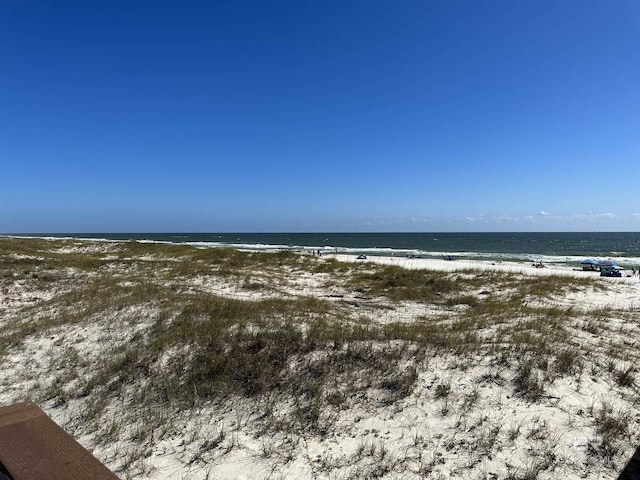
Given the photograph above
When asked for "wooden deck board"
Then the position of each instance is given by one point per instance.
(34, 447)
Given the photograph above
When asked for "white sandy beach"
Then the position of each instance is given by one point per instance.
(624, 292)
(462, 264)
(461, 419)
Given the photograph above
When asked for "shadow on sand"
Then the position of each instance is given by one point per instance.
(632, 470)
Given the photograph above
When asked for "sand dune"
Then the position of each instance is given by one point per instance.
(324, 367)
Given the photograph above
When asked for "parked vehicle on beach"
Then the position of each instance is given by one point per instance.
(613, 271)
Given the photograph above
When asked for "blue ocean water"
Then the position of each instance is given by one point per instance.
(564, 247)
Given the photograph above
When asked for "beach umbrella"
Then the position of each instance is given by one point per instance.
(605, 263)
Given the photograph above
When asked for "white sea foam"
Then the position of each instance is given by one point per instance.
(617, 257)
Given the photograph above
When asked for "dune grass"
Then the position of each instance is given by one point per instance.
(182, 346)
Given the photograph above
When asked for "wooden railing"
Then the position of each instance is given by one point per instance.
(34, 447)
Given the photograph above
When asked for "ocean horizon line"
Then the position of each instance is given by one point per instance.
(552, 247)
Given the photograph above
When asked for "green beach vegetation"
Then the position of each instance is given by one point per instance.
(133, 341)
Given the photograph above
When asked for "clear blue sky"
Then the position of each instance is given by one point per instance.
(322, 115)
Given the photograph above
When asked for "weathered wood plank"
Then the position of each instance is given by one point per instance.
(18, 413)
(34, 447)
